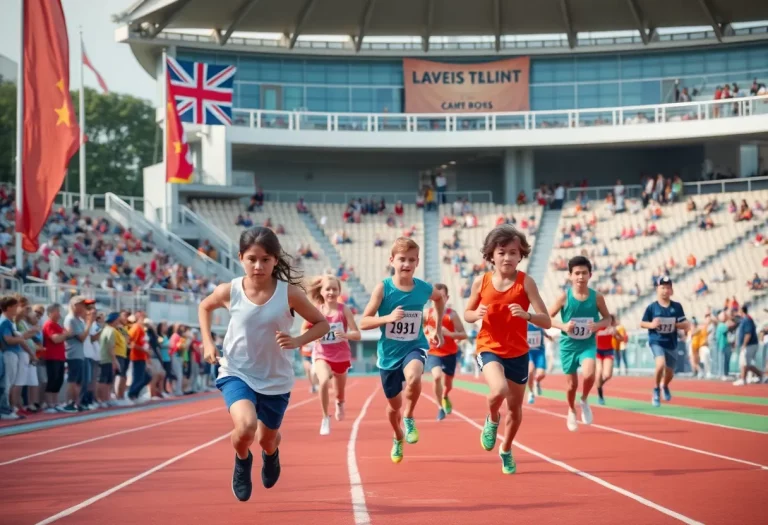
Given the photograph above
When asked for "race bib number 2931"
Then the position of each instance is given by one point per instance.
(406, 329)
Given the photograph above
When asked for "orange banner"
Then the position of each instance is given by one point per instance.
(436, 87)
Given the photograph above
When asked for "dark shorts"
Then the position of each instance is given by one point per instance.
(269, 409)
(515, 368)
(605, 354)
(539, 359)
(307, 358)
(106, 374)
(670, 355)
(122, 366)
(392, 380)
(446, 363)
(75, 371)
(168, 370)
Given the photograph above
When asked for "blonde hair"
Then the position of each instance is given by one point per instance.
(316, 285)
(404, 244)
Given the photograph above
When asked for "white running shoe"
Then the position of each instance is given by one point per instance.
(586, 412)
(325, 426)
(571, 422)
(339, 411)
(738, 382)
(531, 398)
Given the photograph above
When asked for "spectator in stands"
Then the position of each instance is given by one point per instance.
(77, 323)
(521, 198)
(747, 343)
(441, 184)
(54, 336)
(301, 206)
(690, 204)
(139, 355)
(756, 283)
(244, 221)
(399, 210)
(701, 288)
(558, 197)
(257, 200)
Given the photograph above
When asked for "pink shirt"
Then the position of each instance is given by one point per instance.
(329, 348)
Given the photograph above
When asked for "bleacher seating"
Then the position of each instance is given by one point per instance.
(223, 213)
(370, 263)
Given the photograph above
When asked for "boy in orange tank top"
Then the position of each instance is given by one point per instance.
(501, 299)
(441, 362)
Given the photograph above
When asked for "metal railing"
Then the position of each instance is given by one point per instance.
(221, 241)
(164, 239)
(343, 197)
(703, 187)
(523, 120)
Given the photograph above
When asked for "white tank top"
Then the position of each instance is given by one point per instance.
(250, 351)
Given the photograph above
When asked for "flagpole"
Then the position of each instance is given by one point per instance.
(168, 198)
(82, 127)
(20, 141)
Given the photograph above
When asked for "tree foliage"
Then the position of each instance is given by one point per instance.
(121, 133)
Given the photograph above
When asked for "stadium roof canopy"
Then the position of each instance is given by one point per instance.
(426, 18)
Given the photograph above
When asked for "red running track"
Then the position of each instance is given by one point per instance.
(446, 478)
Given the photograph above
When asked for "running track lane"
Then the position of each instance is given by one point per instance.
(691, 385)
(314, 484)
(691, 484)
(716, 439)
(447, 478)
(77, 473)
(45, 440)
(617, 387)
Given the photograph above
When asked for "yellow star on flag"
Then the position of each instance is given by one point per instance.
(60, 85)
(63, 113)
(177, 147)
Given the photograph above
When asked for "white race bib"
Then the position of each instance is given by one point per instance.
(534, 339)
(581, 328)
(667, 325)
(407, 328)
(330, 337)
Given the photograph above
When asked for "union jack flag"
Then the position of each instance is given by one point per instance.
(203, 91)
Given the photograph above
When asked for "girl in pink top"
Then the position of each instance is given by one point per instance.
(331, 355)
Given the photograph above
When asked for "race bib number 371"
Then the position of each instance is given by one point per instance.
(406, 329)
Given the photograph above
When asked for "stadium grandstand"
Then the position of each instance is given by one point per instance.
(632, 132)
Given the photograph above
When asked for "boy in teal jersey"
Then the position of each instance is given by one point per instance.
(583, 313)
(396, 307)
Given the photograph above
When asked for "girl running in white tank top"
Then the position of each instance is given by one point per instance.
(256, 372)
(331, 355)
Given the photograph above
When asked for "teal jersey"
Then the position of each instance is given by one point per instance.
(580, 312)
(401, 337)
(535, 337)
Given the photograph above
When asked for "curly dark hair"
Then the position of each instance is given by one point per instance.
(501, 236)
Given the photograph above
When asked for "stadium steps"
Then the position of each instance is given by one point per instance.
(165, 240)
(676, 235)
(705, 264)
(545, 240)
(356, 289)
(431, 246)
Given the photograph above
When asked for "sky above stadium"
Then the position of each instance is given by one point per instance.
(114, 61)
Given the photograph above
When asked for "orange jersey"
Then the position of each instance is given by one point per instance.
(449, 347)
(500, 333)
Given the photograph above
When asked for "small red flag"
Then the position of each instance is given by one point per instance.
(178, 162)
(51, 133)
(99, 79)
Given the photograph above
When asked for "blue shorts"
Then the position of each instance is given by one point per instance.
(445, 363)
(392, 380)
(307, 358)
(539, 358)
(670, 355)
(515, 368)
(269, 409)
(75, 371)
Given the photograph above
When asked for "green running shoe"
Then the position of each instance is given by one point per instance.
(447, 406)
(508, 465)
(488, 436)
(411, 433)
(397, 450)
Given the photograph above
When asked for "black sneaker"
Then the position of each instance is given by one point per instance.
(242, 486)
(270, 470)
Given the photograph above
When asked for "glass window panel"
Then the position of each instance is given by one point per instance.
(671, 65)
(384, 101)
(651, 66)
(315, 73)
(337, 74)
(293, 97)
(292, 71)
(359, 73)
(270, 70)
(631, 67)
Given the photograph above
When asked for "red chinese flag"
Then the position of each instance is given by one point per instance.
(178, 164)
(99, 78)
(51, 133)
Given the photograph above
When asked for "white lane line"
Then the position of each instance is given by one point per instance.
(355, 482)
(106, 436)
(659, 441)
(90, 501)
(590, 477)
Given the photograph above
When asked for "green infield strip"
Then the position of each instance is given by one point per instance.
(717, 417)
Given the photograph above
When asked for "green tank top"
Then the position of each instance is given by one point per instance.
(580, 312)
